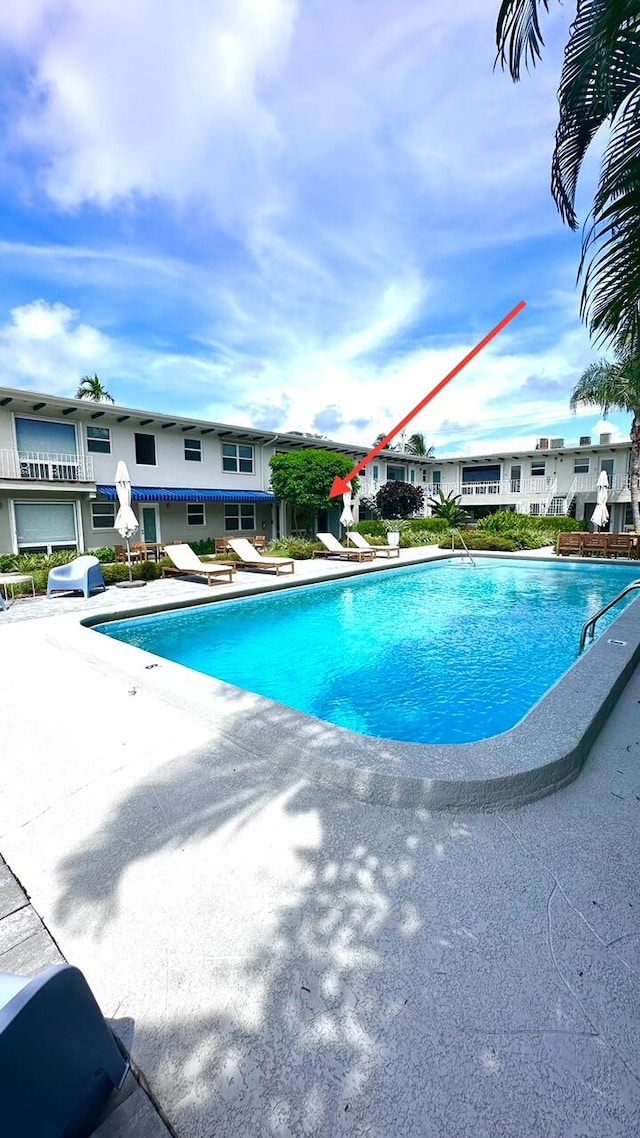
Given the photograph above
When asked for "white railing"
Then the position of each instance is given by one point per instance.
(584, 483)
(39, 467)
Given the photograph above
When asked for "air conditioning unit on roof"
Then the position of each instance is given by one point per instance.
(585, 440)
(542, 444)
(556, 444)
(605, 440)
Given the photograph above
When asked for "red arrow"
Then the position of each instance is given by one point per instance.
(343, 485)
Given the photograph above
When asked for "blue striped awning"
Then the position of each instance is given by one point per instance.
(178, 494)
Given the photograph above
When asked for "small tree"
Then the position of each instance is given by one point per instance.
(303, 479)
(399, 499)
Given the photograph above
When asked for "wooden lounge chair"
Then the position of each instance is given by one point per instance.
(334, 549)
(362, 544)
(620, 545)
(251, 559)
(594, 544)
(188, 564)
(568, 543)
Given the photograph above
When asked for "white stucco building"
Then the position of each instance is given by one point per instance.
(193, 478)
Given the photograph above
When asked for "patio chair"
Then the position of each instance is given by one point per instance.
(567, 543)
(188, 564)
(334, 549)
(594, 544)
(59, 1062)
(120, 553)
(620, 545)
(79, 576)
(361, 542)
(250, 558)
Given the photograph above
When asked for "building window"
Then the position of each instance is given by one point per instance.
(581, 466)
(412, 475)
(44, 527)
(239, 516)
(103, 515)
(237, 459)
(192, 450)
(436, 477)
(98, 440)
(515, 479)
(538, 469)
(195, 514)
(396, 473)
(145, 449)
(375, 472)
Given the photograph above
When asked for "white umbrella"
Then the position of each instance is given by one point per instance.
(600, 515)
(126, 521)
(346, 517)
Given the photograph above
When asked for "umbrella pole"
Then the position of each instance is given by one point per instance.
(129, 558)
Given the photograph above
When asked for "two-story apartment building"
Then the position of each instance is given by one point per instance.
(549, 478)
(193, 478)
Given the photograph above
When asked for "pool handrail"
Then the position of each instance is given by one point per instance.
(590, 624)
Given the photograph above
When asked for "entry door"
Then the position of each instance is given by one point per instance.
(150, 529)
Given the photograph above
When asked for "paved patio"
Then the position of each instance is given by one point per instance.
(285, 961)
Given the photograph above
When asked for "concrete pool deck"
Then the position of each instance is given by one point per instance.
(285, 960)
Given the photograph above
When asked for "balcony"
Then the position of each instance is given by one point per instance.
(33, 466)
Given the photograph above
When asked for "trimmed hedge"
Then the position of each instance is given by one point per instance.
(475, 540)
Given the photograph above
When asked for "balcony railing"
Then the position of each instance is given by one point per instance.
(34, 466)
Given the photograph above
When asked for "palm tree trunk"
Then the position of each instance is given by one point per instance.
(634, 471)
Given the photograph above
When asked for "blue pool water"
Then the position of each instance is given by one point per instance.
(437, 653)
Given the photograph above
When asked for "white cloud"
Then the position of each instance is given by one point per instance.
(46, 347)
(137, 99)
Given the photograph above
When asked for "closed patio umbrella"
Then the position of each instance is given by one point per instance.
(346, 517)
(126, 522)
(600, 515)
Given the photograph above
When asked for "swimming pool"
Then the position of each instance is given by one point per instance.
(434, 653)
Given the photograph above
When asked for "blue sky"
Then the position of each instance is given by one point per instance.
(296, 214)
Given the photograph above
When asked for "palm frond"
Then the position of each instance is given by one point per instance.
(611, 291)
(518, 34)
(601, 69)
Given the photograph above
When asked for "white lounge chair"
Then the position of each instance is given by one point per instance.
(334, 549)
(378, 550)
(251, 559)
(189, 564)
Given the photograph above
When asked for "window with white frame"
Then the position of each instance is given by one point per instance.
(98, 440)
(237, 458)
(195, 514)
(193, 450)
(239, 516)
(538, 468)
(145, 449)
(44, 527)
(581, 466)
(103, 515)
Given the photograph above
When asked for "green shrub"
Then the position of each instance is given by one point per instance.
(105, 554)
(373, 527)
(8, 562)
(144, 571)
(206, 545)
(475, 540)
(298, 547)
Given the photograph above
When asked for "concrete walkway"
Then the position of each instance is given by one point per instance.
(284, 961)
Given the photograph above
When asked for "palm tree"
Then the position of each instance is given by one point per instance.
(416, 445)
(617, 385)
(448, 508)
(379, 438)
(600, 83)
(91, 388)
